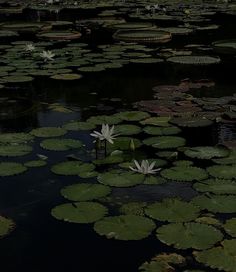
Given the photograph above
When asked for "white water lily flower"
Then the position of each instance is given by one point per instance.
(29, 47)
(107, 133)
(145, 167)
(47, 55)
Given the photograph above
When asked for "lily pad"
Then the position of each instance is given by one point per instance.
(231, 159)
(194, 60)
(191, 122)
(162, 263)
(133, 115)
(221, 257)
(35, 163)
(216, 186)
(222, 171)
(11, 168)
(157, 121)
(125, 227)
(104, 119)
(117, 178)
(162, 131)
(15, 138)
(72, 168)
(79, 212)
(14, 150)
(230, 227)
(46, 132)
(207, 152)
(6, 226)
(189, 173)
(165, 142)
(124, 143)
(127, 129)
(189, 235)
(173, 210)
(77, 126)
(61, 144)
(216, 203)
(133, 208)
(85, 191)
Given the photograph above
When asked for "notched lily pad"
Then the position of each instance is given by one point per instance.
(79, 212)
(125, 227)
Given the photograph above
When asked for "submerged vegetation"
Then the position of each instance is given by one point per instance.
(148, 171)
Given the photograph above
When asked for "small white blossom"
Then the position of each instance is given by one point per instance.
(106, 133)
(145, 168)
(47, 55)
(29, 47)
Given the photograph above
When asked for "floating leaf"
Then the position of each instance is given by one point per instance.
(125, 227)
(221, 257)
(222, 171)
(15, 138)
(85, 191)
(79, 212)
(77, 126)
(161, 131)
(11, 168)
(6, 226)
(35, 163)
(216, 203)
(189, 235)
(173, 210)
(14, 150)
(207, 152)
(60, 144)
(46, 132)
(71, 168)
(134, 208)
(133, 115)
(230, 227)
(163, 142)
(189, 173)
(127, 129)
(117, 178)
(216, 186)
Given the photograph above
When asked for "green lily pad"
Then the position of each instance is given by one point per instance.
(230, 227)
(183, 163)
(77, 126)
(117, 178)
(221, 257)
(72, 168)
(216, 203)
(46, 132)
(231, 159)
(207, 152)
(133, 115)
(222, 171)
(11, 168)
(15, 138)
(112, 159)
(165, 142)
(157, 121)
(173, 210)
(194, 60)
(79, 212)
(191, 122)
(104, 119)
(66, 77)
(35, 163)
(189, 235)
(216, 186)
(162, 263)
(161, 131)
(61, 144)
(6, 226)
(14, 150)
(127, 129)
(125, 227)
(85, 191)
(189, 173)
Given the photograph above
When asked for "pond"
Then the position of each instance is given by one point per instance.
(118, 135)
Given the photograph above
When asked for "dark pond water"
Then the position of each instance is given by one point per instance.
(40, 242)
